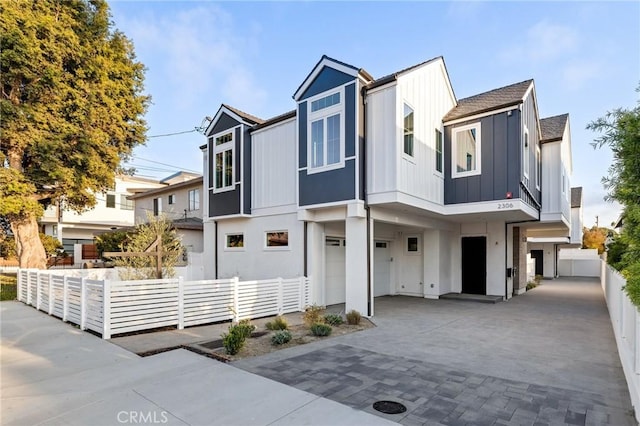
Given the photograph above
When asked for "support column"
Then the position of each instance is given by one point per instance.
(315, 262)
(432, 260)
(356, 264)
(519, 261)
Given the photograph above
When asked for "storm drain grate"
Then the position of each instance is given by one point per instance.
(389, 407)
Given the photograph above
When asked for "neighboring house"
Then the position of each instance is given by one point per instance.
(113, 210)
(180, 201)
(385, 186)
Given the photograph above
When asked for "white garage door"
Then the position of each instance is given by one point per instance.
(381, 268)
(335, 280)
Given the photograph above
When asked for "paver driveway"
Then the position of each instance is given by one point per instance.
(546, 357)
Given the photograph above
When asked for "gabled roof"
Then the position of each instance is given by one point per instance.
(274, 120)
(394, 76)
(252, 119)
(333, 63)
(553, 128)
(494, 99)
(576, 197)
(241, 116)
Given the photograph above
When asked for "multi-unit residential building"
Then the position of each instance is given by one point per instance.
(179, 201)
(388, 186)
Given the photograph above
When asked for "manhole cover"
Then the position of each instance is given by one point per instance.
(389, 407)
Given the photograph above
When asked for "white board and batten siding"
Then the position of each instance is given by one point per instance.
(274, 167)
(556, 197)
(427, 91)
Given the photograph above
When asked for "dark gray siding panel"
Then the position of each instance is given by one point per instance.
(224, 122)
(246, 179)
(211, 158)
(224, 203)
(350, 120)
(327, 187)
(327, 79)
(302, 134)
(500, 162)
(238, 155)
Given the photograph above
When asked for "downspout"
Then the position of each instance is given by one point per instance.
(366, 204)
(305, 249)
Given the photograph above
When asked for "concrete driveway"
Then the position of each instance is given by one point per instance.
(547, 357)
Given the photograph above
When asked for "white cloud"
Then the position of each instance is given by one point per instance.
(197, 50)
(544, 41)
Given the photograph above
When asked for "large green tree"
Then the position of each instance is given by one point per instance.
(72, 109)
(620, 131)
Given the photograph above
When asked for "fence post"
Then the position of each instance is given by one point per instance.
(236, 301)
(65, 298)
(180, 303)
(106, 309)
(38, 290)
(83, 304)
(51, 298)
(28, 287)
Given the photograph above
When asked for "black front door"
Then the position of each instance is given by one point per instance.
(474, 265)
(537, 256)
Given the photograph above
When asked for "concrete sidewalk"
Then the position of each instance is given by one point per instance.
(54, 374)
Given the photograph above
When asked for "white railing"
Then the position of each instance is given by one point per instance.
(626, 327)
(113, 307)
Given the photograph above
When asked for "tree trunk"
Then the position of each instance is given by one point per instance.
(31, 253)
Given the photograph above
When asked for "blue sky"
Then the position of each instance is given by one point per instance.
(583, 56)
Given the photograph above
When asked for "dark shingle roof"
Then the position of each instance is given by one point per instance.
(576, 197)
(487, 101)
(194, 223)
(391, 77)
(248, 117)
(274, 120)
(552, 128)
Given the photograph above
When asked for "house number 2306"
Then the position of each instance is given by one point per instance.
(505, 206)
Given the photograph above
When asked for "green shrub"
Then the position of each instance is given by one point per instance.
(333, 319)
(278, 323)
(531, 285)
(281, 337)
(234, 340)
(313, 315)
(320, 329)
(246, 328)
(353, 317)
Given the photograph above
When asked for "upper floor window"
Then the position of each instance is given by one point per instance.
(408, 130)
(538, 168)
(326, 132)
(525, 150)
(439, 156)
(125, 203)
(466, 149)
(194, 199)
(224, 153)
(111, 201)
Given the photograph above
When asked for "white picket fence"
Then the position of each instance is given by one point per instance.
(113, 307)
(626, 327)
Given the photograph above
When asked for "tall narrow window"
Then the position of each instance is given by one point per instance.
(439, 157)
(157, 206)
(525, 150)
(194, 199)
(224, 147)
(325, 132)
(111, 201)
(408, 130)
(466, 149)
(538, 168)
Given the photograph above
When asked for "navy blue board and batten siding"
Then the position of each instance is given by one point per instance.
(226, 202)
(338, 184)
(500, 162)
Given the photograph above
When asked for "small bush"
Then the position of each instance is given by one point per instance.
(320, 329)
(245, 328)
(313, 315)
(234, 340)
(333, 319)
(353, 317)
(531, 285)
(281, 337)
(278, 323)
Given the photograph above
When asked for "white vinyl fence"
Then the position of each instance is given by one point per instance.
(113, 307)
(626, 327)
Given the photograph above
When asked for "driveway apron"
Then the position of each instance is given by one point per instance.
(547, 357)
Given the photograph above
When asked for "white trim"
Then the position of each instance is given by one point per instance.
(437, 173)
(228, 216)
(323, 114)
(356, 139)
(242, 189)
(230, 113)
(227, 248)
(481, 115)
(538, 161)
(454, 151)
(383, 87)
(526, 157)
(413, 144)
(322, 205)
(325, 62)
(222, 148)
